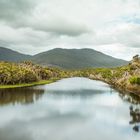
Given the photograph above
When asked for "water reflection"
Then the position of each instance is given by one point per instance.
(20, 95)
(134, 109)
(130, 97)
(83, 93)
(135, 115)
(74, 108)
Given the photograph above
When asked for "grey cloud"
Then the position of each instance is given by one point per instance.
(22, 14)
(12, 9)
(130, 36)
(127, 34)
(61, 27)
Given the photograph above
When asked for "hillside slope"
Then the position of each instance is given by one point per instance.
(64, 58)
(12, 56)
(76, 59)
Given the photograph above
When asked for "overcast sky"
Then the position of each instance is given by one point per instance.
(109, 26)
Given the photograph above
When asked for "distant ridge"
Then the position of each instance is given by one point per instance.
(12, 56)
(77, 59)
(64, 58)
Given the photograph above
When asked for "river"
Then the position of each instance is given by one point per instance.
(69, 109)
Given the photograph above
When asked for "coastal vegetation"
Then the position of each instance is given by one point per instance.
(125, 78)
(135, 80)
(27, 74)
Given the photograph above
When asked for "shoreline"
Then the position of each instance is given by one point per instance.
(135, 89)
(44, 82)
(115, 86)
(25, 85)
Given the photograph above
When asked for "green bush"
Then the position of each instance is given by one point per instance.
(27, 72)
(134, 80)
(106, 73)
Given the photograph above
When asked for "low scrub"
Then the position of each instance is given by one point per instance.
(26, 72)
(135, 80)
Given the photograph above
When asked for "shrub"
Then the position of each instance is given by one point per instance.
(134, 80)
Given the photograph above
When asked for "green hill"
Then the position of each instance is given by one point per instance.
(76, 59)
(12, 56)
(64, 58)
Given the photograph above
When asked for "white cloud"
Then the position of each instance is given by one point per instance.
(111, 26)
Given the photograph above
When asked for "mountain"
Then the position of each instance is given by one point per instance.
(64, 58)
(76, 59)
(12, 56)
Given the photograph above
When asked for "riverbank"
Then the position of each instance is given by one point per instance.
(125, 88)
(27, 74)
(124, 79)
(123, 85)
(42, 82)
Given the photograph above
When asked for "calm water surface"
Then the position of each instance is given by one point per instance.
(70, 109)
